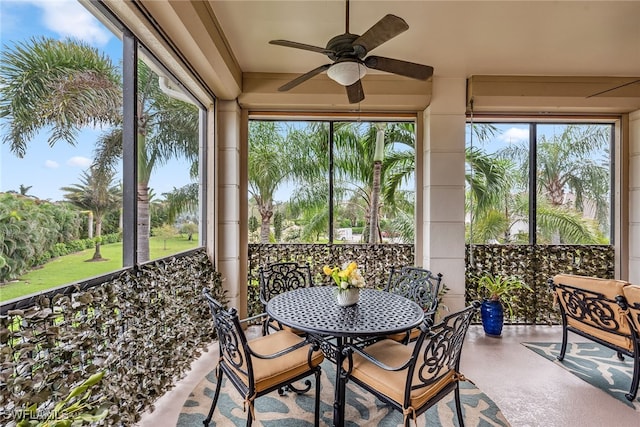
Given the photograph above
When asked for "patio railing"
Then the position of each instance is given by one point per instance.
(532, 264)
(142, 326)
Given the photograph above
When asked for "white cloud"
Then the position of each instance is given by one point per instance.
(51, 164)
(515, 135)
(79, 161)
(70, 19)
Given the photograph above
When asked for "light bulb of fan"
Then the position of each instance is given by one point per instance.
(347, 73)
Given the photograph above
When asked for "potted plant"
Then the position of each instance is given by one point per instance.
(501, 294)
(348, 280)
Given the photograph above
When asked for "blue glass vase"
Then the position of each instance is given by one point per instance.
(492, 314)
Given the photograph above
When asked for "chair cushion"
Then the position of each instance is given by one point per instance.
(401, 336)
(615, 339)
(392, 383)
(607, 287)
(271, 372)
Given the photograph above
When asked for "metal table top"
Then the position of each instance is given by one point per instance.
(315, 310)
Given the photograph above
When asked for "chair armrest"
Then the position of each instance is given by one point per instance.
(252, 318)
(282, 352)
(375, 361)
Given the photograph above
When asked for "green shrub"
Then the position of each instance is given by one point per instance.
(60, 249)
(42, 259)
(75, 246)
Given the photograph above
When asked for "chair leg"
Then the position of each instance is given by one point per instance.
(635, 379)
(563, 347)
(459, 405)
(250, 413)
(215, 396)
(620, 356)
(316, 419)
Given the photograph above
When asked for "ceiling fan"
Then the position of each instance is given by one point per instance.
(349, 55)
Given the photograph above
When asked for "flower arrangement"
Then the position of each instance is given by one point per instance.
(347, 277)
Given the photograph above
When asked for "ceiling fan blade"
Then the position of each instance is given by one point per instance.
(302, 46)
(385, 29)
(303, 78)
(396, 66)
(355, 92)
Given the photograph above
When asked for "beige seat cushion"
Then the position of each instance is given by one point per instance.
(270, 372)
(392, 383)
(607, 287)
(401, 336)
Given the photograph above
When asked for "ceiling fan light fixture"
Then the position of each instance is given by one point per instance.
(346, 73)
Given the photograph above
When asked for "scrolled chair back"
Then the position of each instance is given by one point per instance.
(231, 339)
(437, 352)
(417, 284)
(280, 277)
(411, 380)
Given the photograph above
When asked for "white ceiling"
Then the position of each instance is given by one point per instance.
(457, 38)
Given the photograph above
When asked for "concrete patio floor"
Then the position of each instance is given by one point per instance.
(530, 390)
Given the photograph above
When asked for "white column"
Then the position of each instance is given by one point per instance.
(443, 240)
(634, 197)
(229, 261)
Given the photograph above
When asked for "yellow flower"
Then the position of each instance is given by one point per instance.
(347, 277)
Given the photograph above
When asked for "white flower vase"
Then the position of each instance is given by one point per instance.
(347, 297)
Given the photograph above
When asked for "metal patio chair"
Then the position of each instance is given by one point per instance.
(419, 285)
(277, 278)
(261, 365)
(412, 379)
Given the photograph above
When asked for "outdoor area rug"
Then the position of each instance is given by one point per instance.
(594, 363)
(362, 408)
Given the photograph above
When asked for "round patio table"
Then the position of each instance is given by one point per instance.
(314, 310)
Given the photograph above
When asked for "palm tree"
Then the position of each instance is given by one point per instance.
(497, 205)
(489, 200)
(271, 164)
(167, 129)
(68, 85)
(61, 85)
(97, 194)
(353, 168)
(24, 189)
(181, 199)
(571, 163)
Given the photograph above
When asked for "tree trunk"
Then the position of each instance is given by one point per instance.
(375, 191)
(143, 222)
(375, 202)
(265, 225)
(97, 256)
(90, 224)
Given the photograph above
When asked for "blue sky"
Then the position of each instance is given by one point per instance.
(45, 168)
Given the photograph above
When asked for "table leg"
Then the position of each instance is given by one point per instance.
(339, 394)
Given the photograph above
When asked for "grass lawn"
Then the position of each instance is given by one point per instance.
(74, 267)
